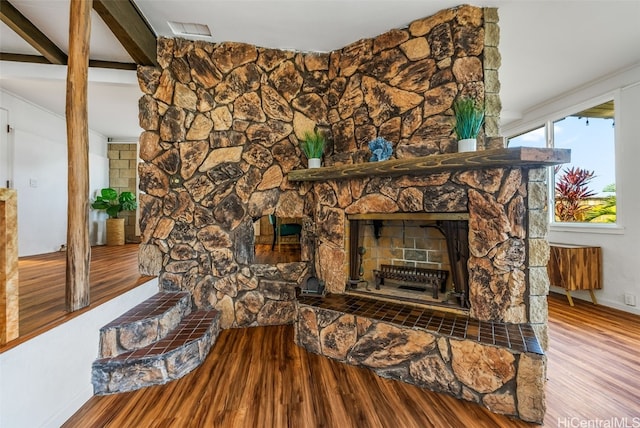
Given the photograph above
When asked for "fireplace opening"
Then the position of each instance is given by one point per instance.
(420, 258)
(277, 239)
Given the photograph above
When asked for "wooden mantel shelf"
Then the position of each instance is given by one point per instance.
(516, 156)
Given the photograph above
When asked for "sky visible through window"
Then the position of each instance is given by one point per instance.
(592, 147)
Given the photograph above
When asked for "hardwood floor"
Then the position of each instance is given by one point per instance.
(285, 253)
(258, 377)
(113, 271)
(594, 365)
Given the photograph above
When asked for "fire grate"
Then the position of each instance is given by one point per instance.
(412, 288)
(434, 279)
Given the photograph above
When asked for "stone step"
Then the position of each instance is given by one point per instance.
(170, 358)
(144, 324)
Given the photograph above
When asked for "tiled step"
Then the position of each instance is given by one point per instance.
(170, 358)
(144, 324)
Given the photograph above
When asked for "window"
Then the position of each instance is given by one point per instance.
(533, 138)
(584, 190)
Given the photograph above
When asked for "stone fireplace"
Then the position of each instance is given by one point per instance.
(506, 209)
(435, 243)
(220, 149)
(222, 124)
(491, 355)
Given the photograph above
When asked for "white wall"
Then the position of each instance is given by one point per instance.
(48, 378)
(621, 244)
(38, 140)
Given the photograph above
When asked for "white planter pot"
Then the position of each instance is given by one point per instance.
(467, 145)
(314, 163)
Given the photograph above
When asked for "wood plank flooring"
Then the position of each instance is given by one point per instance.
(594, 362)
(258, 377)
(113, 271)
(284, 253)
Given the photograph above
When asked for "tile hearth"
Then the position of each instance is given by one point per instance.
(517, 337)
(497, 365)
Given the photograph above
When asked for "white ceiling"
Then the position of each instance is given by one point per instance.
(548, 47)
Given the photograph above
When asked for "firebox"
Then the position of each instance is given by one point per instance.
(415, 257)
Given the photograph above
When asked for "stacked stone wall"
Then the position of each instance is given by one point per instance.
(222, 124)
(222, 128)
(538, 254)
(401, 85)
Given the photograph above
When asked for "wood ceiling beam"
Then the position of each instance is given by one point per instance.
(30, 33)
(23, 58)
(93, 63)
(126, 23)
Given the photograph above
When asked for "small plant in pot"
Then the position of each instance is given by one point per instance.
(113, 203)
(312, 144)
(469, 119)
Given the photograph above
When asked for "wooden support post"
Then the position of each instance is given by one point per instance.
(78, 248)
(9, 302)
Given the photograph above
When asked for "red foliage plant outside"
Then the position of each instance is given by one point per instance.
(572, 188)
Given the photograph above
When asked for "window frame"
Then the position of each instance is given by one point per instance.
(547, 123)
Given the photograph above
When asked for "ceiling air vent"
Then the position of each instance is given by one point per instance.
(189, 30)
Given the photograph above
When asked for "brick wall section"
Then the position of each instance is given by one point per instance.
(123, 167)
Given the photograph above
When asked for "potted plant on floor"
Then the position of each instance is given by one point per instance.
(312, 145)
(469, 119)
(113, 203)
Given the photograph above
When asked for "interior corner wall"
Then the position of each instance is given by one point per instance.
(620, 255)
(38, 139)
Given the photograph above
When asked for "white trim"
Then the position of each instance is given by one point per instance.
(621, 79)
(583, 295)
(619, 155)
(596, 228)
(547, 119)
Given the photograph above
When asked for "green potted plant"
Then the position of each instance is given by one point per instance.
(469, 119)
(312, 145)
(113, 203)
